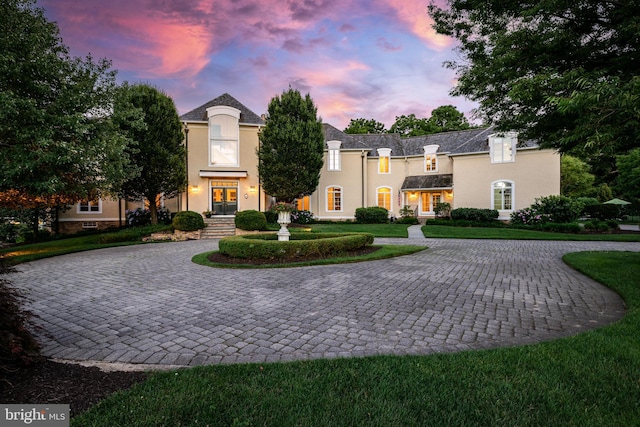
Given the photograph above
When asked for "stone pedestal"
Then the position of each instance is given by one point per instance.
(284, 219)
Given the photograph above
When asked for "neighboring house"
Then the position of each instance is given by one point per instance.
(477, 168)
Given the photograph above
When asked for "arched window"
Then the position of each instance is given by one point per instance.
(334, 199)
(224, 133)
(384, 197)
(502, 195)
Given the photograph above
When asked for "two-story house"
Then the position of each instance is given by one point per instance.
(477, 168)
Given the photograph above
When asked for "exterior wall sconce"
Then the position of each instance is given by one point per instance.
(195, 189)
(252, 189)
(413, 196)
(246, 196)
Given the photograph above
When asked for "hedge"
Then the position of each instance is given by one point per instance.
(251, 220)
(266, 246)
(474, 214)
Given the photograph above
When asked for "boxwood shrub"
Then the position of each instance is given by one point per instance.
(474, 214)
(372, 215)
(188, 221)
(267, 246)
(251, 220)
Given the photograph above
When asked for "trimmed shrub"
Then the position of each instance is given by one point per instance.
(474, 214)
(250, 220)
(266, 246)
(188, 221)
(465, 223)
(529, 216)
(442, 209)
(272, 216)
(138, 217)
(554, 227)
(596, 225)
(372, 215)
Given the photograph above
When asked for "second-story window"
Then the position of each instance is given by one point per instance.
(334, 160)
(223, 135)
(384, 160)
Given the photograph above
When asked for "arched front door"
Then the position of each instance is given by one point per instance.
(224, 197)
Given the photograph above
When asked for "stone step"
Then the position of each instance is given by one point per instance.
(218, 228)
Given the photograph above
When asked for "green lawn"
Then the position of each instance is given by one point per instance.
(592, 379)
(378, 230)
(448, 232)
(34, 251)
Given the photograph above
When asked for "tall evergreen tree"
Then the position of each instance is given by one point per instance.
(157, 148)
(291, 152)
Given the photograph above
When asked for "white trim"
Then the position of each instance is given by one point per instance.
(326, 198)
(79, 219)
(384, 153)
(89, 212)
(334, 147)
(219, 110)
(504, 214)
(223, 174)
(508, 136)
(390, 197)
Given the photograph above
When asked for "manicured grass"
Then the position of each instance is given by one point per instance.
(385, 251)
(34, 251)
(378, 230)
(592, 379)
(447, 232)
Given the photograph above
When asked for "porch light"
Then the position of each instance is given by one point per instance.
(413, 196)
(252, 189)
(195, 189)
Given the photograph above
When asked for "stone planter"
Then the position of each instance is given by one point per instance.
(284, 219)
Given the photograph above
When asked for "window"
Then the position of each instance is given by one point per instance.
(430, 158)
(430, 200)
(89, 224)
(334, 155)
(223, 136)
(303, 204)
(384, 198)
(90, 207)
(431, 163)
(384, 157)
(334, 199)
(502, 195)
(502, 148)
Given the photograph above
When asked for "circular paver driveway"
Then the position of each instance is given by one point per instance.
(150, 304)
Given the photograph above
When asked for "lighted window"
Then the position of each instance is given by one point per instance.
(431, 163)
(334, 199)
(384, 160)
(502, 148)
(303, 204)
(90, 206)
(334, 163)
(223, 134)
(502, 195)
(384, 198)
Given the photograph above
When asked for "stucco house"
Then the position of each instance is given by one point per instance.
(477, 168)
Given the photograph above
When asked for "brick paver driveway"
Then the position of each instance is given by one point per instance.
(150, 304)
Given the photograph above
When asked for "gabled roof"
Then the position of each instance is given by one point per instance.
(200, 113)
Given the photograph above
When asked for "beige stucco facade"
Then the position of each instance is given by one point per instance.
(476, 168)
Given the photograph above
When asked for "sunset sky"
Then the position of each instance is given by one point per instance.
(357, 58)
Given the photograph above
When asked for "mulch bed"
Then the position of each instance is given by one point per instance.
(64, 383)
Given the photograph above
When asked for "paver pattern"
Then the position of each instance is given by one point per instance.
(150, 304)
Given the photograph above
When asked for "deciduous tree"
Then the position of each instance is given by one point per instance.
(157, 149)
(291, 152)
(562, 72)
(360, 126)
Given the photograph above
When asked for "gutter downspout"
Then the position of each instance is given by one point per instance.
(362, 156)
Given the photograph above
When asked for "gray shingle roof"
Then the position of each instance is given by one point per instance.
(426, 182)
(200, 113)
(457, 142)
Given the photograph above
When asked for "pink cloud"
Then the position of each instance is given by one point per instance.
(414, 14)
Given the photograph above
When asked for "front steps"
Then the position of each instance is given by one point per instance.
(218, 227)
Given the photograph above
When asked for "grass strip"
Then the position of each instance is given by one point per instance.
(448, 232)
(384, 251)
(591, 379)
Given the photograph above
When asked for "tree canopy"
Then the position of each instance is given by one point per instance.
(562, 72)
(412, 126)
(365, 126)
(58, 143)
(628, 182)
(447, 118)
(157, 149)
(575, 178)
(291, 152)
